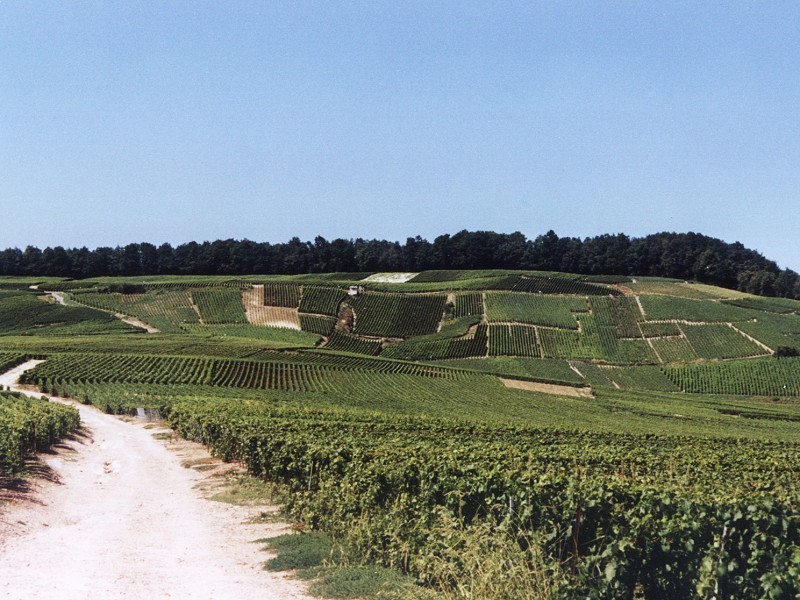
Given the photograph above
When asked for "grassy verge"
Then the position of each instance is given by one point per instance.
(333, 571)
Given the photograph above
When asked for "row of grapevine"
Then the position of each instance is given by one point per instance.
(277, 335)
(359, 481)
(26, 313)
(164, 309)
(628, 378)
(318, 324)
(275, 376)
(474, 344)
(560, 343)
(141, 285)
(754, 377)
(534, 309)
(321, 300)
(600, 340)
(665, 308)
(774, 330)
(186, 283)
(468, 304)
(122, 367)
(397, 315)
(538, 369)
(440, 276)
(593, 343)
(220, 305)
(9, 360)
(674, 349)
(29, 425)
(550, 285)
(512, 340)
(622, 313)
(781, 306)
(344, 342)
(286, 295)
(158, 370)
(720, 341)
(654, 329)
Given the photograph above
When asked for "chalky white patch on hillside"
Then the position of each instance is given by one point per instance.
(390, 277)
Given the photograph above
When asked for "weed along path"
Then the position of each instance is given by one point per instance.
(127, 520)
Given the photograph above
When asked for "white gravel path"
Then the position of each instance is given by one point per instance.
(126, 521)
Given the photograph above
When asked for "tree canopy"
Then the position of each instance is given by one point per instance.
(690, 256)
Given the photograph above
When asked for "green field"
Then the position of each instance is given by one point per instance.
(624, 453)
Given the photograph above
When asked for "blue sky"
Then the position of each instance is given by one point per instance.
(175, 121)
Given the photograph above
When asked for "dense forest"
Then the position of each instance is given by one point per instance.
(690, 256)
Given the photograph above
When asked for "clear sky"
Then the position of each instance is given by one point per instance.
(176, 121)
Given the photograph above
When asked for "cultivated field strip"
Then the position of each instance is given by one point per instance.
(754, 377)
(319, 324)
(427, 349)
(344, 342)
(534, 309)
(220, 305)
(720, 341)
(622, 313)
(286, 295)
(667, 308)
(363, 479)
(550, 285)
(468, 304)
(294, 375)
(165, 309)
(513, 340)
(321, 300)
(397, 315)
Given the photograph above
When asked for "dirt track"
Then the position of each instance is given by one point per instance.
(127, 521)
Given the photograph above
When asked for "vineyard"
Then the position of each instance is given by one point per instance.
(30, 425)
(660, 308)
(720, 341)
(27, 313)
(219, 305)
(321, 300)
(512, 340)
(358, 480)
(167, 310)
(548, 311)
(781, 306)
(387, 421)
(438, 347)
(318, 324)
(468, 304)
(761, 377)
(344, 342)
(397, 315)
(621, 313)
(550, 285)
(281, 294)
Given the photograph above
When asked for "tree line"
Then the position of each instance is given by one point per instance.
(690, 256)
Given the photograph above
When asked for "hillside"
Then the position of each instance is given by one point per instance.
(398, 413)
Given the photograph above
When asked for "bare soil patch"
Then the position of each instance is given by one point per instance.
(548, 388)
(268, 316)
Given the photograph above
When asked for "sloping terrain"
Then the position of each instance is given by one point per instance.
(457, 405)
